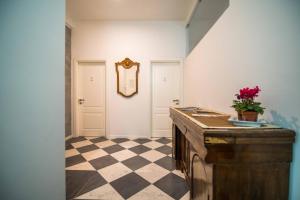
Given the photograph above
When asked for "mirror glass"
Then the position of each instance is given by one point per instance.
(127, 77)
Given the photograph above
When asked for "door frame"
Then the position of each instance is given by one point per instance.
(74, 92)
(180, 62)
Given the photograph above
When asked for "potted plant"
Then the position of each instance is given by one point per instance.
(246, 106)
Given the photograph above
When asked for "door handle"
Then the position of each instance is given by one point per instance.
(176, 101)
(81, 101)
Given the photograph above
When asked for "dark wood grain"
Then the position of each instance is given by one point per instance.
(232, 164)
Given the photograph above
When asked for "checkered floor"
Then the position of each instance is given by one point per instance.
(140, 169)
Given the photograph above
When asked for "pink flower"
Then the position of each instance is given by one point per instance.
(248, 94)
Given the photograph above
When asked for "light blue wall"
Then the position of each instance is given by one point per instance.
(32, 99)
(295, 172)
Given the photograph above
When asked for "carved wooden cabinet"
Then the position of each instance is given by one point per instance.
(224, 162)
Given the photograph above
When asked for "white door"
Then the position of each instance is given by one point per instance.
(90, 99)
(166, 92)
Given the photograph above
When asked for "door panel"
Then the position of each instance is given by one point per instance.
(91, 89)
(162, 121)
(92, 121)
(166, 92)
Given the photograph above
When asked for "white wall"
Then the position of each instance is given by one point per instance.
(253, 43)
(141, 42)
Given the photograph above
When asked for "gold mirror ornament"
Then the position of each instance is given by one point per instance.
(127, 77)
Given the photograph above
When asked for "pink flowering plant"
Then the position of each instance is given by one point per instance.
(246, 100)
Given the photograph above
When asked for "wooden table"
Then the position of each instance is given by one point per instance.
(225, 162)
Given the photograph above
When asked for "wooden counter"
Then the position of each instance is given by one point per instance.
(225, 162)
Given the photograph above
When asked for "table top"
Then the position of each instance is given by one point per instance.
(214, 120)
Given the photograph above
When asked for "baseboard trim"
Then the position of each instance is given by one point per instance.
(68, 137)
(155, 135)
(132, 137)
(127, 136)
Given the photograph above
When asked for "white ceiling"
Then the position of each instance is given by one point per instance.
(129, 9)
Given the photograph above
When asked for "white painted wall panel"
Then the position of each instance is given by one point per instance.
(253, 43)
(141, 42)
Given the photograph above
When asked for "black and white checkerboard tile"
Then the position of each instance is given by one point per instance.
(140, 169)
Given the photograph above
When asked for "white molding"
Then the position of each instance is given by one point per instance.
(69, 23)
(74, 73)
(181, 63)
(90, 61)
(68, 137)
(73, 98)
(179, 60)
(191, 12)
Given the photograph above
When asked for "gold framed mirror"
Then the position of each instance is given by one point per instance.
(127, 77)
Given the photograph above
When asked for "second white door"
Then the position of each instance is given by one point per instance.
(166, 92)
(90, 99)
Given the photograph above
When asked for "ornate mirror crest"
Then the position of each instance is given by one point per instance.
(127, 77)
